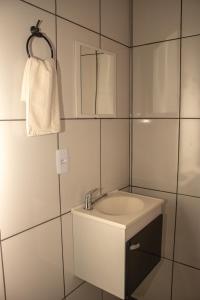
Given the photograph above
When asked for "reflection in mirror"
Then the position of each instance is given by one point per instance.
(95, 81)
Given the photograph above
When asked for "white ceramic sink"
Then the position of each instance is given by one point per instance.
(119, 205)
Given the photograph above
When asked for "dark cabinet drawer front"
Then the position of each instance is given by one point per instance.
(143, 253)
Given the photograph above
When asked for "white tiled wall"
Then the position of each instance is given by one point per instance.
(186, 283)
(33, 265)
(155, 20)
(190, 105)
(156, 69)
(187, 231)
(115, 20)
(17, 17)
(191, 21)
(81, 138)
(155, 145)
(45, 4)
(29, 184)
(38, 259)
(165, 139)
(86, 14)
(114, 154)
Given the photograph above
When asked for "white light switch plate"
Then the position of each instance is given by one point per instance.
(62, 161)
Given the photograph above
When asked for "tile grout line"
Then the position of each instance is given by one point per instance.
(3, 269)
(59, 178)
(178, 150)
(131, 94)
(165, 41)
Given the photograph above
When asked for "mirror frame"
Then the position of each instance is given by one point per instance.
(77, 82)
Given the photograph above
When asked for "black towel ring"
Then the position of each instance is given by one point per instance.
(35, 32)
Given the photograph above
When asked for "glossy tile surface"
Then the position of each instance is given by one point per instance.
(29, 183)
(190, 105)
(189, 165)
(71, 282)
(85, 13)
(186, 283)
(68, 33)
(187, 248)
(122, 56)
(86, 291)
(191, 21)
(155, 20)
(115, 20)
(45, 4)
(1, 281)
(20, 16)
(81, 138)
(155, 151)
(37, 254)
(157, 284)
(168, 218)
(114, 154)
(156, 80)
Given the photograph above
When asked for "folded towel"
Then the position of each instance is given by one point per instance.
(40, 92)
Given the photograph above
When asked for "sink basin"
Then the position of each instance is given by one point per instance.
(119, 205)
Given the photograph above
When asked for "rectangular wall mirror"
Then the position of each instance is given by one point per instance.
(95, 82)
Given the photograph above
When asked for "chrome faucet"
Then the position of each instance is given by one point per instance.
(89, 200)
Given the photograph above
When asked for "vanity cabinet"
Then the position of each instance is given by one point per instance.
(118, 242)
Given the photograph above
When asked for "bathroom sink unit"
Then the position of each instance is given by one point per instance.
(118, 242)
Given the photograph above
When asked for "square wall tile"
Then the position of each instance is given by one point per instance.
(187, 242)
(190, 103)
(29, 189)
(157, 285)
(85, 291)
(2, 296)
(81, 138)
(45, 4)
(186, 283)
(191, 21)
(114, 154)
(85, 13)
(115, 22)
(155, 20)
(68, 33)
(33, 264)
(156, 70)
(122, 54)
(19, 16)
(189, 162)
(155, 154)
(169, 212)
(71, 282)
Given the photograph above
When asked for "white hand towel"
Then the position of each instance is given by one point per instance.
(40, 92)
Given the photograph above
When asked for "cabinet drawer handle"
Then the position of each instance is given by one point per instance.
(134, 246)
